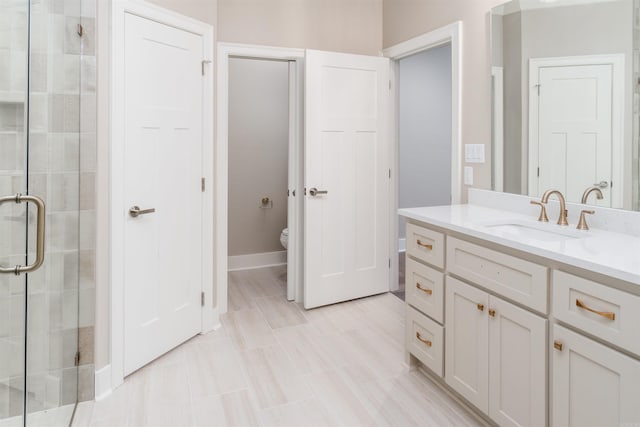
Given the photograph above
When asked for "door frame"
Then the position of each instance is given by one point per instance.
(296, 138)
(451, 33)
(618, 114)
(117, 127)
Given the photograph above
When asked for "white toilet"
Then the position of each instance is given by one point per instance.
(284, 238)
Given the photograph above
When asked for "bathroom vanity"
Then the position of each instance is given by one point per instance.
(531, 323)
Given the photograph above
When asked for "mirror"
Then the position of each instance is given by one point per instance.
(564, 79)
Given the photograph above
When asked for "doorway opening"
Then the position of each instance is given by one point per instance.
(258, 164)
(424, 130)
(426, 91)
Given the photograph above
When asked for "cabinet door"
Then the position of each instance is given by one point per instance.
(593, 385)
(466, 342)
(517, 365)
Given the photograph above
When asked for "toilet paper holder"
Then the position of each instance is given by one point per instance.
(266, 203)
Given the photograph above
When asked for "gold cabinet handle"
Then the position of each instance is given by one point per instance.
(492, 312)
(426, 342)
(609, 315)
(425, 290)
(424, 245)
(480, 307)
(557, 345)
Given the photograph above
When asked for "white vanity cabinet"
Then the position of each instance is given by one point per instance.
(495, 355)
(529, 333)
(592, 385)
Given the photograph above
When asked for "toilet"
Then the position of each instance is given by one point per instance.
(284, 238)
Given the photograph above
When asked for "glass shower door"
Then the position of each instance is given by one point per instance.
(40, 61)
(14, 31)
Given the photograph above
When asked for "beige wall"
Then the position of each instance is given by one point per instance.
(258, 154)
(353, 26)
(202, 10)
(404, 19)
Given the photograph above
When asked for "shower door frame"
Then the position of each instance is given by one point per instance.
(112, 376)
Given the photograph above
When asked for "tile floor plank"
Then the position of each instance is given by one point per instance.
(272, 363)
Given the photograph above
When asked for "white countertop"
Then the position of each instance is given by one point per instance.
(605, 252)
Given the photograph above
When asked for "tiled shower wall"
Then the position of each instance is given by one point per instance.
(62, 165)
(87, 259)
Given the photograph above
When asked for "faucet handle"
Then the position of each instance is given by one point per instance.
(543, 211)
(582, 224)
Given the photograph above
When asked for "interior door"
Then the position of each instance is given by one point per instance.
(346, 252)
(163, 170)
(575, 130)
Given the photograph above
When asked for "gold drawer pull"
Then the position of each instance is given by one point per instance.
(480, 307)
(557, 345)
(424, 245)
(426, 342)
(425, 290)
(607, 314)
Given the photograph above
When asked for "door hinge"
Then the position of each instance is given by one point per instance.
(204, 63)
(80, 30)
(389, 262)
(389, 84)
(76, 359)
(538, 88)
(305, 191)
(202, 299)
(538, 172)
(203, 184)
(389, 173)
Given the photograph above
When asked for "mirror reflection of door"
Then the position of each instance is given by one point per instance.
(574, 140)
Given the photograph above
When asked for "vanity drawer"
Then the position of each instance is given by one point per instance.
(425, 289)
(426, 245)
(514, 278)
(599, 310)
(425, 340)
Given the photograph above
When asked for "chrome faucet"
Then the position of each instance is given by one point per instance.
(590, 190)
(562, 219)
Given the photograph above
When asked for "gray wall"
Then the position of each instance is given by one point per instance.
(425, 129)
(513, 69)
(258, 154)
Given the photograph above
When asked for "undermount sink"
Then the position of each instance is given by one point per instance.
(517, 229)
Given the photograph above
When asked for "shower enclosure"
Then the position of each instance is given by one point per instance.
(40, 59)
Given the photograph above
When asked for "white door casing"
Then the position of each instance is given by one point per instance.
(346, 154)
(575, 131)
(161, 149)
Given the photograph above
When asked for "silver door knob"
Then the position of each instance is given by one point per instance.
(135, 211)
(315, 192)
(601, 184)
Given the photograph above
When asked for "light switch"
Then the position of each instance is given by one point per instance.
(474, 153)
(468, 175)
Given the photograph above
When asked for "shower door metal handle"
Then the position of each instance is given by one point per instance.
(20, 198)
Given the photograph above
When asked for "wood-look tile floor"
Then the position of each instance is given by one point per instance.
(274, 364)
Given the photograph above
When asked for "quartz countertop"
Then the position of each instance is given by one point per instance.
(605, 252)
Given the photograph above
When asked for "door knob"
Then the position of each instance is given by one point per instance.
(135, 211)
(315, 192)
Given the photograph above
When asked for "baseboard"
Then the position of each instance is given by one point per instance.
(103, 382)
(251, 261)
(402, 245)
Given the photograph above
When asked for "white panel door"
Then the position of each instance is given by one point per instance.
(163, 167)
(346, 155)
(593, 385)
(517, 365)
(466, 342)
(575, 129)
